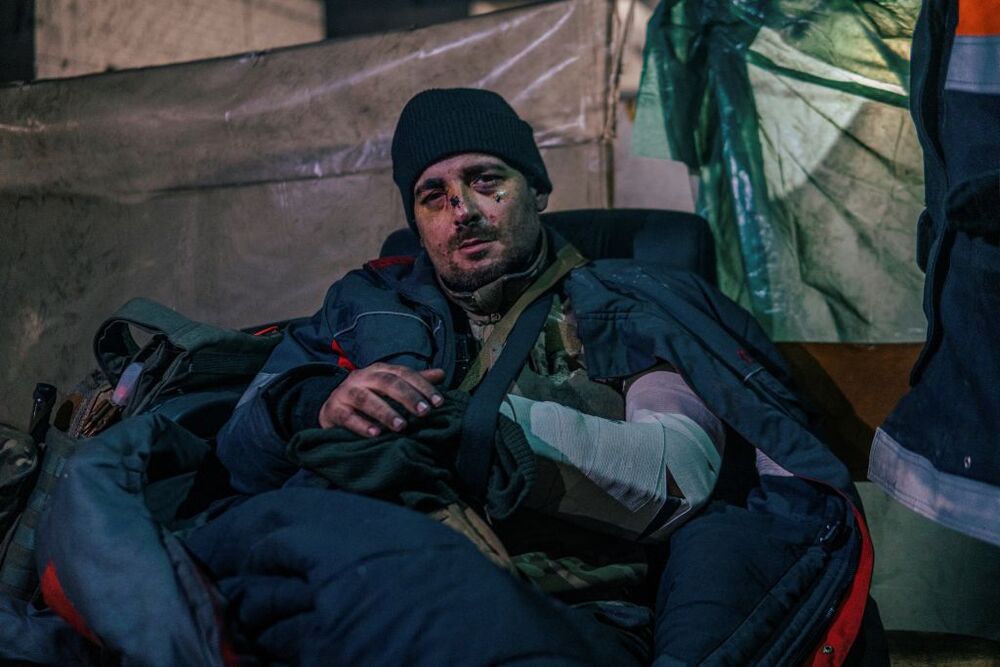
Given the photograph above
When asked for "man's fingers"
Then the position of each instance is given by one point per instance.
(359, 404)
(360, 411)
(433, 376)
(371, 405)
(402, 390)
(334, 413)
(409, 388)
(358, 425)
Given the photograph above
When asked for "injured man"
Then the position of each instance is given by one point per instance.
(492, 451)
(499, 451)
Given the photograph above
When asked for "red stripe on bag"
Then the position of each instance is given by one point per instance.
(342, 359)
(59, 602)
(978, 18)
(832, 650)
(266, 330)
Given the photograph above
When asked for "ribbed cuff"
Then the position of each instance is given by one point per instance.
(295, 399)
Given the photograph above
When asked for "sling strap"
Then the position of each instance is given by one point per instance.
(567, 259)
(512, 338)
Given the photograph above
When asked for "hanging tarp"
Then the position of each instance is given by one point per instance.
(794, 115)
(236, 190)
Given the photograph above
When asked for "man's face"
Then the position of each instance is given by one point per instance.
(478, 219)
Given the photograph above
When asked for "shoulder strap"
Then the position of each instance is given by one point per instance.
(475, 454)
(566, 260)
(515, 334)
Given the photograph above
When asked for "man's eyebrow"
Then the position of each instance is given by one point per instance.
(429, 184)
(480, 167)
(467, 172)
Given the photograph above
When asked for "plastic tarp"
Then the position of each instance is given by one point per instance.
(236, 190)
(794, 115)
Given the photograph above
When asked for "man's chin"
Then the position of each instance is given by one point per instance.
(469, 280)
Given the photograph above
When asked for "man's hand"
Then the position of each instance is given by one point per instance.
(358, 404)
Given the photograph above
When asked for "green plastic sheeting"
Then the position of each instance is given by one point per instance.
(794, 115)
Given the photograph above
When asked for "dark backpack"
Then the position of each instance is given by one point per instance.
(180, 357)
(192, 373)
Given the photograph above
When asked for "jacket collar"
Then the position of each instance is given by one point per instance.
(417, 280)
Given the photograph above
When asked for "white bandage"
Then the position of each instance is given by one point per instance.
(613, 475)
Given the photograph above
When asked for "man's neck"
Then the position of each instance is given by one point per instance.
(488, 303)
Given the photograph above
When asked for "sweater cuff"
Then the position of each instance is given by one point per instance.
(295, 399)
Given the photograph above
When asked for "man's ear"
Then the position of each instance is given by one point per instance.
(541, 200)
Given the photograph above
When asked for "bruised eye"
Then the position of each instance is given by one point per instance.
(431, 198)
(487, 181)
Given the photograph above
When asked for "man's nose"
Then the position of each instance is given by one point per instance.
(464, 209)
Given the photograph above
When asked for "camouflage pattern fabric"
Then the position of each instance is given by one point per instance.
(555, 370)
(462, 519)
(572, 579)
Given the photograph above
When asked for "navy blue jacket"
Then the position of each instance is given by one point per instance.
(781, 575)
(776, 576)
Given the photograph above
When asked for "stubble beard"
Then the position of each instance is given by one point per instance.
(469, 280)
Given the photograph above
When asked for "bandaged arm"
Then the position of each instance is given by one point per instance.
(613, 476)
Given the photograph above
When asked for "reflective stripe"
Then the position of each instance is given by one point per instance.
(974, 66)
(978, 18)
(962, 504)
(251, 391)
(369, 313)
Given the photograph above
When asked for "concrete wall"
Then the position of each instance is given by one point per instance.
(76, 37)
(237, 190)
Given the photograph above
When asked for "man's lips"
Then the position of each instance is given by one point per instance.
(473, 243)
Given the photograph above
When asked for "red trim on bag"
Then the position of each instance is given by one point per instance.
(382, 262)
(230, 658)
(977, 18)
(57, 600)
(342, 359)
(846, 624)
(266, 330)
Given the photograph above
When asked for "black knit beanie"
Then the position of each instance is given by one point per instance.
(441, 122)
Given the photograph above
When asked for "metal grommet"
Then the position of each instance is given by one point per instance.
(828, 649)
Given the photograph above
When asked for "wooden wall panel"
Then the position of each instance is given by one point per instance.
(855, 387)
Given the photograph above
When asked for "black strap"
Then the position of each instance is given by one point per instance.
(567, 259)
(475, 455)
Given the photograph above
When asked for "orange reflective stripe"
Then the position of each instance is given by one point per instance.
(978, 18)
